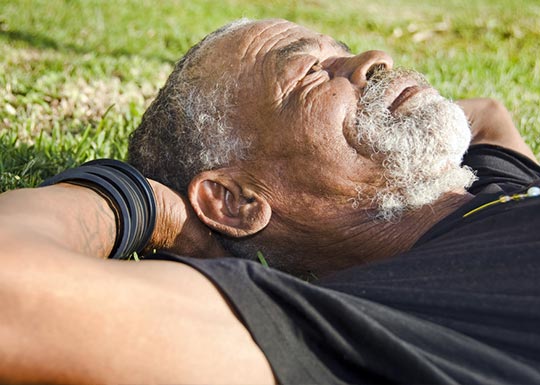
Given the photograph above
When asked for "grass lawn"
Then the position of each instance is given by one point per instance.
(76, 75)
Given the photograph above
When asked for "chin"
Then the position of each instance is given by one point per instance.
(456, 129)
(422, 149)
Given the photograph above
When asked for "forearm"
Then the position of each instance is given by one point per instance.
(79, 220)
(66, 318)
(65, 216)
(491, 123)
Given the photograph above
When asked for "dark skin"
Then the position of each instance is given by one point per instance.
(309, 102)
(492, 123)
(61, 324)
(71, 317)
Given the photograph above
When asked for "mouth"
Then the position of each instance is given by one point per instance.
(405, 93)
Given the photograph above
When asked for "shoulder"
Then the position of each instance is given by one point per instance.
(502, 166)
(354, 326)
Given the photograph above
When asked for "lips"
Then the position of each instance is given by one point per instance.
(405, 94)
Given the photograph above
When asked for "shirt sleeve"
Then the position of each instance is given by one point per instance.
(500, 166)
(312, 334)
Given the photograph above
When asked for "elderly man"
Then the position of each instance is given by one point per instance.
(336, 168)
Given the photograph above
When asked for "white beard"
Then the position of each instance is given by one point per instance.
(419, 149)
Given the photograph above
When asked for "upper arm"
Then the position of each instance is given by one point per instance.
(491, 123)
(81, 320)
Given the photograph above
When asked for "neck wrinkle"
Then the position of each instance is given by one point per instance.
(368, 240)
(401, 236)
(342, 239)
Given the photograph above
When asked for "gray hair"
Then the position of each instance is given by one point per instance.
(187, 128)
(420, 152)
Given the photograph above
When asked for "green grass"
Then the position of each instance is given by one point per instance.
(76, 76)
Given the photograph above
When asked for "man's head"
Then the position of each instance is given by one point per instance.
(269, 126)
(186, 130)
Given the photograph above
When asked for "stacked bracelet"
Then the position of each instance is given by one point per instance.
(129, 194)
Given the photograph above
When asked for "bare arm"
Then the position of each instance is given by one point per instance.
(491, 123)
(70, 319)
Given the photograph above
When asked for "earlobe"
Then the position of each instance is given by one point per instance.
(226, 206)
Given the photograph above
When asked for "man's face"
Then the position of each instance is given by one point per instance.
(314, 114)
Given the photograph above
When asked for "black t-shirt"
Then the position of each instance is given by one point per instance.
(462, 306)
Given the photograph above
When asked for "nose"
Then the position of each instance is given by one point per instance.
(359, 68)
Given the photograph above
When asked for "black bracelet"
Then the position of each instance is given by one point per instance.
(129, 194)
(144, 188)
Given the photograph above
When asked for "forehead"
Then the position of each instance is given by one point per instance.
(280, 38)
(286, 138)
(267, 35)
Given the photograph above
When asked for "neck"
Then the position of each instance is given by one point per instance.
(346, 239)
(400, 236)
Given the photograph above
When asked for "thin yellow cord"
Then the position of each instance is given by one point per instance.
(502, 199)
(481, 207)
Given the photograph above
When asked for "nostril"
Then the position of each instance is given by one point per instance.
(375, 69)
(367, 65)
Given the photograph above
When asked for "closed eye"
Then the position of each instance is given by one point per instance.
(314, 68)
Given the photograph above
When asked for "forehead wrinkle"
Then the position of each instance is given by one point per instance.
(268, 46)
(256, 38)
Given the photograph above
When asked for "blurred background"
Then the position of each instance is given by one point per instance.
(76, 75)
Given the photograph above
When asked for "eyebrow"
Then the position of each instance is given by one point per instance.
(299, 45)
(304, 44)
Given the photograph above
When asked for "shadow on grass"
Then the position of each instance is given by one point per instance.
(27, 168)
(27, 165)
(41, 41)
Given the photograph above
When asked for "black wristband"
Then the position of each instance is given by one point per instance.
(129, 194)
(144, 188)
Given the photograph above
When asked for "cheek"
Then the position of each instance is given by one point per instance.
(328, 119)
(323, 162)
(334, 105)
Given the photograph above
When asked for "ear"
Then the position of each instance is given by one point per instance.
(226, 206)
